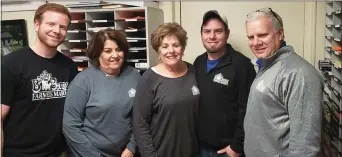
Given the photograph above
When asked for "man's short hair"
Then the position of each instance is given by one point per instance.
(276, 20)
(50, 7)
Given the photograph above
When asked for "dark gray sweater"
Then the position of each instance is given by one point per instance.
(165, 115)
(97, 113)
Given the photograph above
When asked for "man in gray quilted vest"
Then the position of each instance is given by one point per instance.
(284, 109)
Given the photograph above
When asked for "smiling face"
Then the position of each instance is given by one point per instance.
(170, 51)
(52, 29)
(214, 37)
(263, 39)
(112, 57)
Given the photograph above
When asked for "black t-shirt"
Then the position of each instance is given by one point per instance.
(35, 88)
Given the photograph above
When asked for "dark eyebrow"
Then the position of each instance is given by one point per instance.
(218, 29)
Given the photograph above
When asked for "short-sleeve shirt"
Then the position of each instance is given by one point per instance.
(35, 88)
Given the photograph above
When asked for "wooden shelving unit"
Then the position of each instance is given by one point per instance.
(137, 22)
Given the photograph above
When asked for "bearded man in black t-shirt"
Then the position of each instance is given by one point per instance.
(33, 88)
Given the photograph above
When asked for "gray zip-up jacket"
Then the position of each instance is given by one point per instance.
(284, 108)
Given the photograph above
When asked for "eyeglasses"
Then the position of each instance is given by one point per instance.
(273, 13)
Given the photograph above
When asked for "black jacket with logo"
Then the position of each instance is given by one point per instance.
(224, 93)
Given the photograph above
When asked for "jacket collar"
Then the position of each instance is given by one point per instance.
(278, 55)
(258, 62)
(226, 58)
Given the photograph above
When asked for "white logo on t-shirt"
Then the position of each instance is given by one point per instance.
(195, 90)
(220, 79)
(47, 87)
(131, 92)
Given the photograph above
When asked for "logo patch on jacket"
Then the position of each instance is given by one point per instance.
(131, 92)
(261, 86)
(220, 79)
(195, 90)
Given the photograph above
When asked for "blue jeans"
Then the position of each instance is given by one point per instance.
(207, 152)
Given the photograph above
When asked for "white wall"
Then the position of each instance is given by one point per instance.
(303, 22)
(169, 10)
(320, 32)
(236, 14)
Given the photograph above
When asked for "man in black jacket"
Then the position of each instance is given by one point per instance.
(224, 78)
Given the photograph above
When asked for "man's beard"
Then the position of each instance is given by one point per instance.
(44, 39)
(210, 50)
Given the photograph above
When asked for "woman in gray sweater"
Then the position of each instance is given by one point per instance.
(166, 104)
(97, 114)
